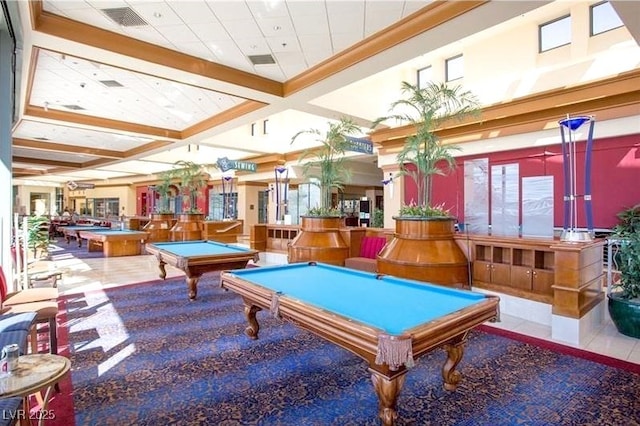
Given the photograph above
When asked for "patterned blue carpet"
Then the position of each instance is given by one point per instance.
(145, 355)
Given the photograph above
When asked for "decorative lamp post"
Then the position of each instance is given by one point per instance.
(227, 204)
(282, 189)
(570, 230)
(151, 200)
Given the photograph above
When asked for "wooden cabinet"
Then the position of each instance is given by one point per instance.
(492, 264)
(279, 237)
(520, 267)
(565, 275)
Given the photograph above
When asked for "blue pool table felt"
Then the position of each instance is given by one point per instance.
(390, 304)
(199, 248)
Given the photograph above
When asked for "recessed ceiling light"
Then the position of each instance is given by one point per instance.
(157, 15)
(277, 27)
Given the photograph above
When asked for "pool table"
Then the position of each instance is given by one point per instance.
(387, 321)
(73, 231)
(114, 242)
(198, 257)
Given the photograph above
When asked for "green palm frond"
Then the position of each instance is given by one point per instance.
(428, 109)
(326, 164)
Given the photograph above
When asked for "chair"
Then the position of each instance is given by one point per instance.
(14, 329)
(48, 277)
(29, 295)
(41, 301)
(369, 249)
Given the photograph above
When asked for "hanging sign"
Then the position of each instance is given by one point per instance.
(362, 145)
(245, 166)
(79, 185)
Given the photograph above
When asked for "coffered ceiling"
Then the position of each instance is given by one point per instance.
(124, 88)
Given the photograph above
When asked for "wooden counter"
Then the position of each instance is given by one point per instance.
(566, 275)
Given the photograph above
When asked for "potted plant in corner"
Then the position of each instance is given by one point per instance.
(624, 294)
(325, 166)
(162, 219)
(192, 178)
(423, 247)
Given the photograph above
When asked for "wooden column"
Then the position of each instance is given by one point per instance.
(579, 271)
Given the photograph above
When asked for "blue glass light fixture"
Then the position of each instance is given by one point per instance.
(570, 231)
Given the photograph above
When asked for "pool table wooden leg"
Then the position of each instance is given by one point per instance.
(250, 312)
(163, 271)
(387, 391)
(192, 283)
(450, 375)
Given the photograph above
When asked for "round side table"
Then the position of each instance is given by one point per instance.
(35, 373)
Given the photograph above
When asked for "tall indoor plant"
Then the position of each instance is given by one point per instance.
(319, 238)
(423, 247)
(162, 218)
(624, 296)
(428, 109)
(192, 178)
(325, 166)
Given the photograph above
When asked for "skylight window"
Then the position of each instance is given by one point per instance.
(555, 33)
(603, 18)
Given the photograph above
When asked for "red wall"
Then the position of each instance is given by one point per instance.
(615, 181)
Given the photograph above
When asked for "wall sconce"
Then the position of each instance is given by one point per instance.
(265, 127)
(389, 183)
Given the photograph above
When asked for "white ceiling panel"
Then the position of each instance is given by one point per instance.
(66, 135)
(193, 12)
(67, 157)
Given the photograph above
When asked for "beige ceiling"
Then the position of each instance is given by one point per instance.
(120, 88)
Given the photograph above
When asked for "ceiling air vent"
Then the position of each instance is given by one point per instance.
(262, 59)
(124, 16)
(111, 83)
(73, 107)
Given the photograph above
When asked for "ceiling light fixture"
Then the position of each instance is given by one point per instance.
(277, 27)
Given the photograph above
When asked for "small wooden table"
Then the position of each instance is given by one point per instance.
(35, 372)
(115, 242)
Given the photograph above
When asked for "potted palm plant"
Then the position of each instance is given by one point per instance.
(319, 238)
(192, 178)
(162, 219)
(423, 247)
(624, 295)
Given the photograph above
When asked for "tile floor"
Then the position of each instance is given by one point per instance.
(94, 274)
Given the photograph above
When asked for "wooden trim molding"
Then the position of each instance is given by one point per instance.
(614, 97)
(421, 21)
(68, 29)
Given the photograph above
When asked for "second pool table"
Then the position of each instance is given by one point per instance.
(114, 242)
(387, 321)
(198, 257)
